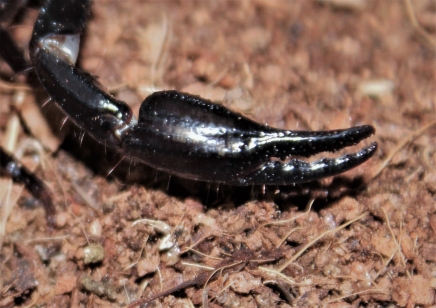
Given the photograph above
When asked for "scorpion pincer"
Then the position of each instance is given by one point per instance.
(175, 132)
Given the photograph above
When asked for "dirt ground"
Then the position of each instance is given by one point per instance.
(365, 238)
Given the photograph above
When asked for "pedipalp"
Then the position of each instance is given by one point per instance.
(179, 133)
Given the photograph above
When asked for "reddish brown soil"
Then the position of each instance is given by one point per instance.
(291, 64)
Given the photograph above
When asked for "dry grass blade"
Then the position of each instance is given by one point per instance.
(401, 145)
(420, 31)
(6, 87)
(302, 250)
(381, 291)
(86, 197)
(10, 144)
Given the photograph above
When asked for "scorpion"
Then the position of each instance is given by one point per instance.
(178, 133)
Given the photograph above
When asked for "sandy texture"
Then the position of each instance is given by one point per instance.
(292, 64)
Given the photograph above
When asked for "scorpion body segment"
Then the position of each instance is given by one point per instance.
(80, 96)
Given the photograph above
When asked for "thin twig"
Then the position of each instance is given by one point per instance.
(300, 252)
(401, 145)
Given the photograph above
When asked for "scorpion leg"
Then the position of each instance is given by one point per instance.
(9, 165)
(20, 174)
(179, 133)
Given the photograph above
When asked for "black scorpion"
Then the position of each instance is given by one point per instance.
(175, 132)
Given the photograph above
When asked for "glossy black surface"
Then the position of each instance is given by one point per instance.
(10, 166)
(183, 134)
(63, 17)
(194, 138)
(80, 97)
(179, 133)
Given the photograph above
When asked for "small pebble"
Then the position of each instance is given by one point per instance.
(61, 219)
(95, 228)
(93, 253)
(108, 207)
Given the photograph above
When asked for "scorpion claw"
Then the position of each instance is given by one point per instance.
(194, 138)
(179, 133)
(298, 171)
(308, 143)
